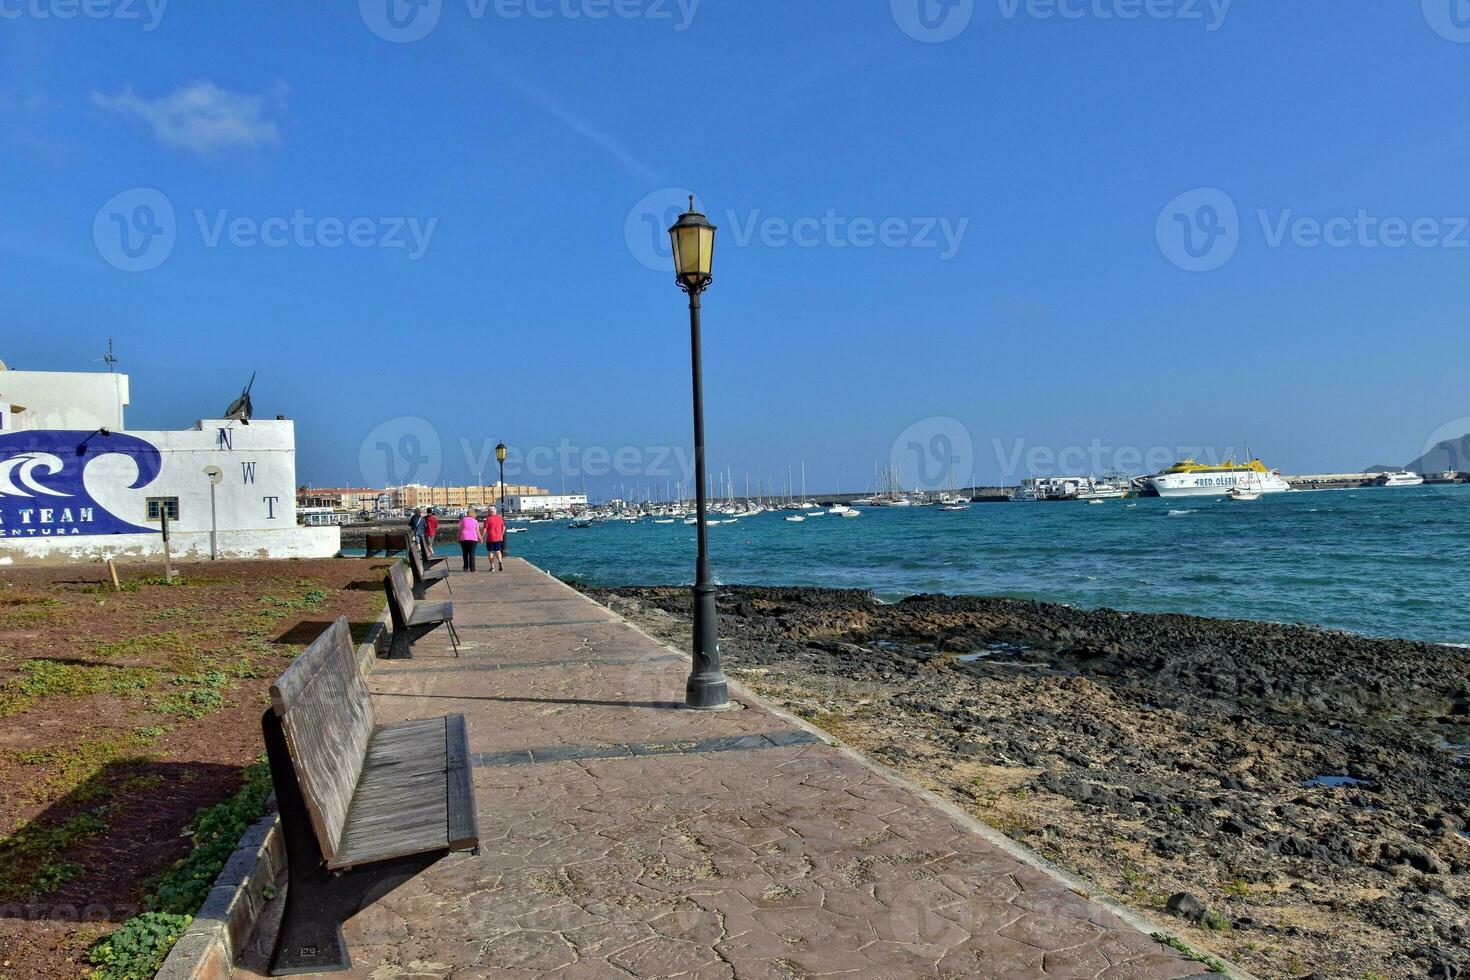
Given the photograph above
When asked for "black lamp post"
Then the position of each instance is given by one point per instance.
(694, 249)
(500, 458)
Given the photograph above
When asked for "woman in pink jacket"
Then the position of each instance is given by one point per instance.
(470, 536)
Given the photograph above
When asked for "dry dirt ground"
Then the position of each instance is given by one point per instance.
(123, 713)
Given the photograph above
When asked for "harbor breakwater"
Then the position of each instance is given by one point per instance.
(1297, 798)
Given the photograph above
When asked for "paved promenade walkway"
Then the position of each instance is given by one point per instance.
(626, 837)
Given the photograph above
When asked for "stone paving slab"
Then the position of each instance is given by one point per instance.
(626, 837)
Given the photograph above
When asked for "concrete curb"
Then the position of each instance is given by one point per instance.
(210, 946)
(1078, 885)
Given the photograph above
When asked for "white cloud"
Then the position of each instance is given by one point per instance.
(203, 117)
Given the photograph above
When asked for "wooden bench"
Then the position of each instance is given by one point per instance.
(364, 807)
(431, 559)
(413, 618)
(426, 576)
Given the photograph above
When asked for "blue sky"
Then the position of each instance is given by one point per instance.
(970, 241)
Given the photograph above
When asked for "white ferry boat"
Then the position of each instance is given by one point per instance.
(1188, 478)
(1401, 478)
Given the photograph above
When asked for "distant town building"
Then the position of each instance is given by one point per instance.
(544, 503)
(418, 495)
(76, 484)
(343, 498)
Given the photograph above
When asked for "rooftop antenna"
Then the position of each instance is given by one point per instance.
(109, 358)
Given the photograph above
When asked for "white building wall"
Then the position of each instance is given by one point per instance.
(543, 503)
(64, 399)
(75, 494)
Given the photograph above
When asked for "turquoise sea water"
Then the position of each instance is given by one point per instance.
(1384, 562)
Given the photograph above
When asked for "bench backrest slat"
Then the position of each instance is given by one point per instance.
(327, 712)
(401, 592)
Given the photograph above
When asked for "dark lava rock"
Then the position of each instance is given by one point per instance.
(1186, 906)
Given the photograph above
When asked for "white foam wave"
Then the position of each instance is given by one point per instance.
(18, 475)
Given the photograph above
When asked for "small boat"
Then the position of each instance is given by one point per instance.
(664, 520)
(1242, 493)
(1097, 501)
(515, 530)
(691, 520)
(852, 513)
(796, 518)
(579, 525)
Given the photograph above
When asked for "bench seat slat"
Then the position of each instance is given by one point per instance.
(464, 829)
(431, 612)
(400, 806)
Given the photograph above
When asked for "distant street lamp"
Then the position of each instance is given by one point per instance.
(694, 251)
(500, 457)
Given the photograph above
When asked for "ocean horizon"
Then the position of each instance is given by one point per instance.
(1374, 561)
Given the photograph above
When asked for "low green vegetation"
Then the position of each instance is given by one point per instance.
(1189, 953)
(196, 695)
(30, 859)
(42, 678)
(72, 770)
(137, 949)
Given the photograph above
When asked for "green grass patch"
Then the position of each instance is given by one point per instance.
(28, 858)
(40, 679)
(197, 695)
(72, 770)
(139, 947)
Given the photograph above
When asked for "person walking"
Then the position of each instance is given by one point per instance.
(495, 540)
(470, 536)
(417, 528)
(431, 526)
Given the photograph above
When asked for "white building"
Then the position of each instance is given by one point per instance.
(545, 503)
(76, 484)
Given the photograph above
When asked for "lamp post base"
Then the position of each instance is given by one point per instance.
(706, 690)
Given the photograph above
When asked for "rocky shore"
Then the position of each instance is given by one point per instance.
(1291, 799)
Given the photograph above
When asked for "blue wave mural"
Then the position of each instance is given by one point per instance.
(42, 489)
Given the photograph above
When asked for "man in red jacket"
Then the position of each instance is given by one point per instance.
(432, 520)
(495, 540)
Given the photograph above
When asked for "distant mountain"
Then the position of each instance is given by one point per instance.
(1452, 454)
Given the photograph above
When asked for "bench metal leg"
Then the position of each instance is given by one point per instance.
(420, 589)
(400, 646)
(453, 635)
(319, 901)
